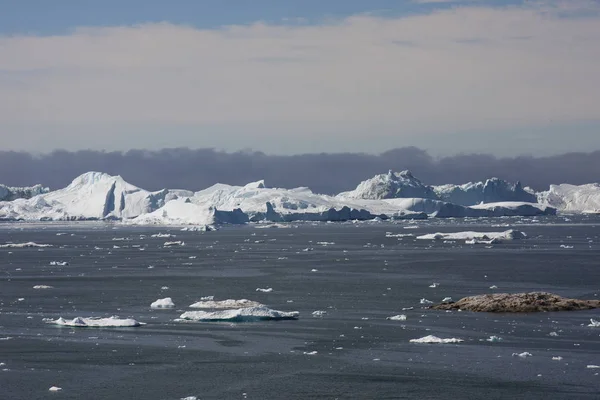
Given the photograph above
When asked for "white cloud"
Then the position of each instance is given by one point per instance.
(461, 69)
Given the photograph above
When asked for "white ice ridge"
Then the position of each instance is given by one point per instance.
(43, 287)
(225, 304)
(93, 322)
(167, 302)
(96, 195)
(247, 314)
(435, 339)
(9, 193)
(469, 235)
(23, 245)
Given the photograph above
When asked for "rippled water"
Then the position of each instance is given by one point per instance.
(351, 351)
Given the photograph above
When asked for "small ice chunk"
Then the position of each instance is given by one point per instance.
(162, 235)
(558, 358)
(22, 245)
(319, 313)
(59, 263)
(400, 317)
(435, 339)
(55, 389)
(594, 323)
(266, 290)
(434, 285)
(554, 334)
(189, 398)
(310, 353)
(493, 287)
(174, 243)
(164, 288)
(593, 366)
(494, 339)
(446, 299)
(43, 287)
(524, 354)
(314, 270)
(425, 301)
(167, 302)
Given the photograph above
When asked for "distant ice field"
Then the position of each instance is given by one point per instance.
(356, 275)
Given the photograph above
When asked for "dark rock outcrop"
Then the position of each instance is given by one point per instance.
(518, 303)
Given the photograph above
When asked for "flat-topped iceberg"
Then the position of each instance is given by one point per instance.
(92, 322)
(248, 314)
(23, 245)
(225, 304)
(435, 340)
(572, 198)
(470, 235)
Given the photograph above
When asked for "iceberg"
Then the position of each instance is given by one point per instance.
(435, 339)
(167, 302)
(470, 235)
(389, 186)
(23, 245)
(247, 314)
(8, 193)
(209, 303)
(92, 322)
(491, 191)
(400, 317)
(572, 198)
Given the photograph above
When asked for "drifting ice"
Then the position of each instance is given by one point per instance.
(435, 339)
(96, 322)
(167, 302)
(225, 304)
(248, 314)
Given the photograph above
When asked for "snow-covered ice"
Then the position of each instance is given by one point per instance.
(23, 245)
(400, 317)
(435, 339)
(264, 290)
(247, 314)
(54, 389)
(96, 322)
(43, 287)
(167, 302)
(209, 303)
(594, 323)
(470, 235)
(524, 354)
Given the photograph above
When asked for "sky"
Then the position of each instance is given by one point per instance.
(292, 77)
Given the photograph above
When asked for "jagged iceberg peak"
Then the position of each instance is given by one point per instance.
(97, 178)
(10, 193)
(256, 185)
(389, 186)
(491, 191)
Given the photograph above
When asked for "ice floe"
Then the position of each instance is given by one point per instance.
(167, 302)
(470, 235)
(174, 243)
(54, 389)
(524, 354)
(23, 245)
(59, 263)
(594, 323)
(435, 339)
(494, 339)
(209, 303)
(43, 287)
(93, 322)
(247, 314)
(400, 317)
(264, 290)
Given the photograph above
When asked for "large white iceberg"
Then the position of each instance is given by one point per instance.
(9, 193)
(389, 186)
(572, 198)
(248, 314)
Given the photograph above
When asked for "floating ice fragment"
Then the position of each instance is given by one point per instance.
(400, 317)
(524, 354)
(43, 287)
(446, 299)
(557, 358)
(593, 366)
(554, 334)
(314, 270)
(310, 353)
(164, 288)
(247, 314)
(319, 313)
(55, 389)
(494, 339)
(175, 243)
(59, 263)
(22, 245)
(95, 322)
(435, 339)
(162, 235)
(564, 246)
(425, 301)
(434, 285)
(189, 398)
(493, 287)
(267, 290)
(224, 304)
(167, 302)
(594, 323)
